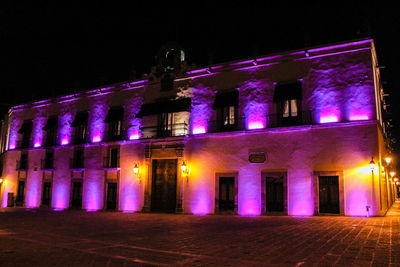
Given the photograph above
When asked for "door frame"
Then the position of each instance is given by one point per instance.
(108, 179)
(178, 191)
(218, 175)
(71, 191)
(276, 174)
(316, 191)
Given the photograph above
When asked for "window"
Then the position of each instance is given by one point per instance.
(22, 164)
(114, 120)
(25, 134)
(51, 131)
(289, 108)
(77, 162)
(112, 159)
(288, 97)
(80, 127)
(226, 106)
(48, 162)
(165, 124)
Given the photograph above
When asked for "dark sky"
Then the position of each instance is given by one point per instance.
(50, 48)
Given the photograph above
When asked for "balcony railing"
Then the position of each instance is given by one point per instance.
(224, 126)
(111, 162)
(278, 120)
(21, 165)
(76, 163)
(114, 136)
(177, 129)
(47, 164)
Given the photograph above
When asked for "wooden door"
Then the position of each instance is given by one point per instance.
(274, 194)
(112, 188)
(76, 197)
(164, 182)
(20, 193)
(329, 194)
(46, 194)
(226, 194)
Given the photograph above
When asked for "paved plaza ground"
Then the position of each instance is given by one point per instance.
(40, 237)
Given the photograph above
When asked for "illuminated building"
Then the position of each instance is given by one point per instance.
(289, 133)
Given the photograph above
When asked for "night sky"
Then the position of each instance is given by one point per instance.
(50, 48)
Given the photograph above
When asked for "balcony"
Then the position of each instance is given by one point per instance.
(47, 164)
(76, 163)
(173, 130)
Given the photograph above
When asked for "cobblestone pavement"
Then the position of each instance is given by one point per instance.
(39, 237)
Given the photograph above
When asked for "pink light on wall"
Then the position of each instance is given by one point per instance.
(256, 124)
(329, 116)
(199, 128)
(12, 145)
(93, 196)
(202, 201)
(37, 143)
(96, 137)
(60, 195)
(250, 207)
(130, 198)
(358, 117)
(65, 141)
(134, 134)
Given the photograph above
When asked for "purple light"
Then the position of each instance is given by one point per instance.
(96, 137)
(12, 146)
(65, 141)
(93, 195)
(256, 125)
(201, 202)
(327, 117)
(37, 144)
(250, 207)
(199, 129)
(197, 71)
(358, 117)
(134, 136)
(340, 45)
(60, 194)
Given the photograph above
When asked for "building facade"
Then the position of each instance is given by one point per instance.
(292, 133)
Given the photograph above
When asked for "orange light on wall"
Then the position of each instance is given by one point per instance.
(1, 180)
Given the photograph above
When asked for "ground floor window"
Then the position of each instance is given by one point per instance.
(19, 201)
(46, 193)
(76, 194)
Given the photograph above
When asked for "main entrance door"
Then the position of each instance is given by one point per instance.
(274, 194)
(111, 196)
(46, 194)
(163, 189)
(329, 194)
(226, 193)
(76, 197)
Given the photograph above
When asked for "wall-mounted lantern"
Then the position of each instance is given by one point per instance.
(388, 160)
(136, 172)
(392, 173)
(395, 179)
(372, 165)
(185, 170)
(1, 180)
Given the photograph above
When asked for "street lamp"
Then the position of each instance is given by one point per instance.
(388, 160)
(372, 164)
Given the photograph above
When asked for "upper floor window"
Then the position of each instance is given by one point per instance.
(112, 159)
(287, 97)
(80, 127)
(25, 134)
(226, 106)
(51, 131)
(114, 121)
(48, 162)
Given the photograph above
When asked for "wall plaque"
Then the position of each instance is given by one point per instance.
(257, 157)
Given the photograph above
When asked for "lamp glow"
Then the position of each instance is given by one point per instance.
(392, 174)
(395, 179)
(184, 167)
(388, 160)
(372, 165)
(136, 169)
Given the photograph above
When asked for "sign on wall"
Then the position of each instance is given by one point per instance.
(257, 157)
